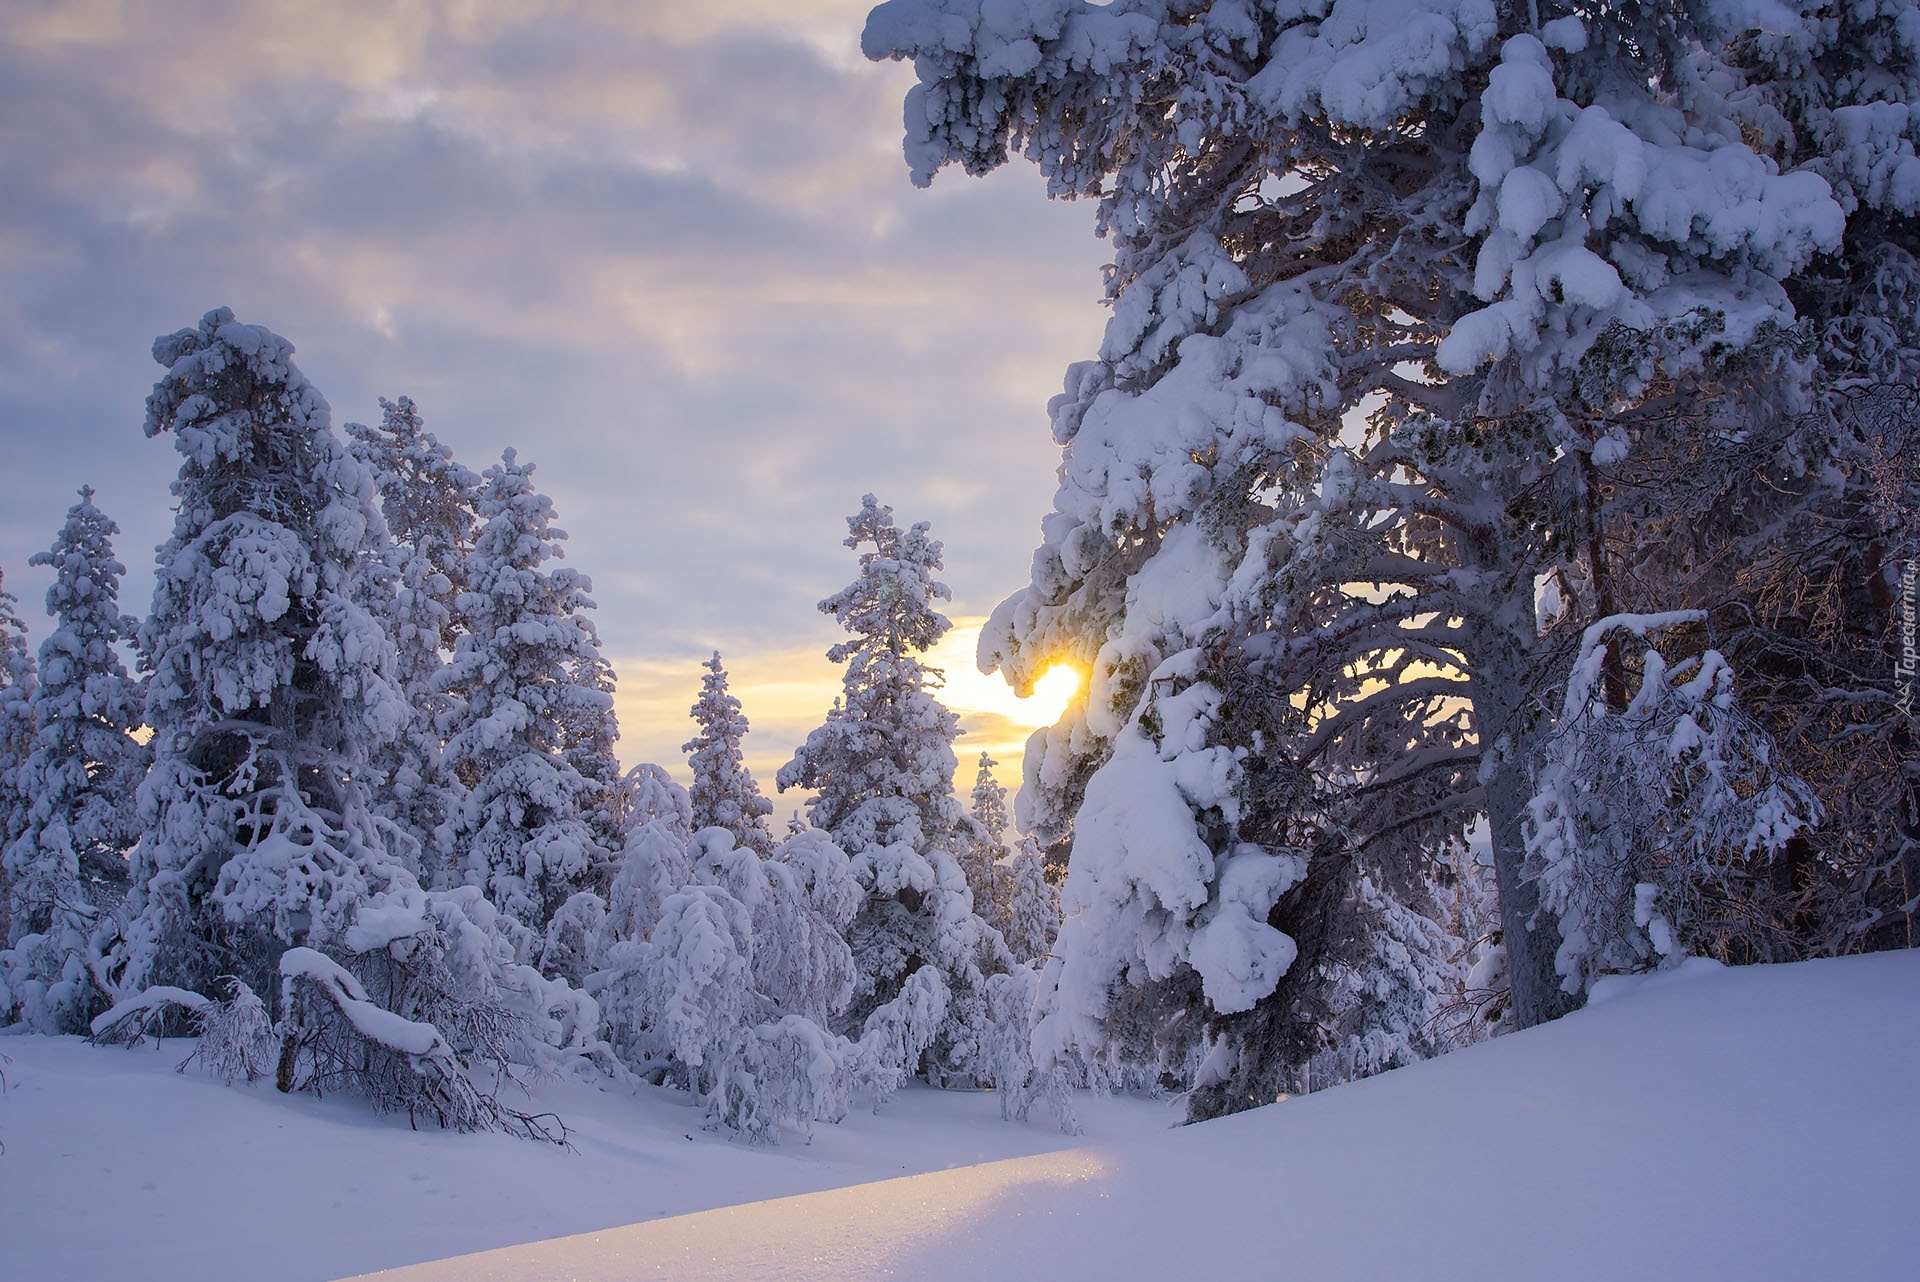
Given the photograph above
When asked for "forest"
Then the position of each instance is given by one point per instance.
(1490, 528)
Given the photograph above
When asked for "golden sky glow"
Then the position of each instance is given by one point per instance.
(785, 694)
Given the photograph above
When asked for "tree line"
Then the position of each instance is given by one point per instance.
(1487, 525)
(374, 836)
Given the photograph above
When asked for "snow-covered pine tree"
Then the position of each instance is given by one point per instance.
(982, 846)
(881, 768)
(17, 681)
(518, 832)
(588, 731)
(68, 867)
(1305, 205)
(262, 873)
(1033, 904)
(270, 677)
(654, 864)
(428, 500)
(1376, 985)
(651, 794)
(724, 794)
(882, 765)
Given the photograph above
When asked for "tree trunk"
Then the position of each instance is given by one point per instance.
(1531, 939)
(1502, 673)
(289, 1060)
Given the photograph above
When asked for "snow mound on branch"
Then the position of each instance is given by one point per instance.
(1565, 187)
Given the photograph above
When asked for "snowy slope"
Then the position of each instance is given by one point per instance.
(1749, 1124)
(115, 1166)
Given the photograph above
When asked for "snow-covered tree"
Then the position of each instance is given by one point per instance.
(262, 873)
(68, 867)
(17, 681)
(881, 768)
(1033, 904)
(1009, 1052)
(271, 679)
(428, 500)
(982, 845)
(588, 732)
(724, 794)
(649, 793)
(1010, 887)
(518, 833)
(1794, 532)
(1378, 984)
(1647, 816)
(723, 971)
(882, 765)
(1400, 288)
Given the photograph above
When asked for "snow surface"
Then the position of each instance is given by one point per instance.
(1696, 1124)
(1705, 1123)
(112, 1165)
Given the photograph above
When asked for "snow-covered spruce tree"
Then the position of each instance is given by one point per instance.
(428, 500)
(1376, 985)
(1306, 204)
(588, 731)
(1009, 1052)
(68, 867)
(724, 794)
(881, 768)
(518, 833)
(1033, 904)
(654, 866)
(17, 681)
(649, 793)
(982, 845)
(270, 678)
(262, 869)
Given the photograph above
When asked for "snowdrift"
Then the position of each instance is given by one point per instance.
(1750, 1124)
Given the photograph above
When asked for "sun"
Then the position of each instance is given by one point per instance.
(1052, 693)
(969, 691)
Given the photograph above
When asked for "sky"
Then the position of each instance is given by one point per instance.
(669, 252)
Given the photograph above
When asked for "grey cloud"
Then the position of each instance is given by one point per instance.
(688, 277)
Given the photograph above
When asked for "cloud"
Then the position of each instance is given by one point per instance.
(669, 252)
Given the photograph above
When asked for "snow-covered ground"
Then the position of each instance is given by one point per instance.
(1746, 1124)
(115, 1166)
(1742, 1124)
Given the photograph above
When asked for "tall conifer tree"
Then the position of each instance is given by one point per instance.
(70, 861)
(272, 679)
(519, 833)
(724, 793)
(882, 771)
(428, 500)
(1542, 253)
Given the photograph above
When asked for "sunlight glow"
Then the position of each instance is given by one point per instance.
(970, 691)
(1054, 692)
